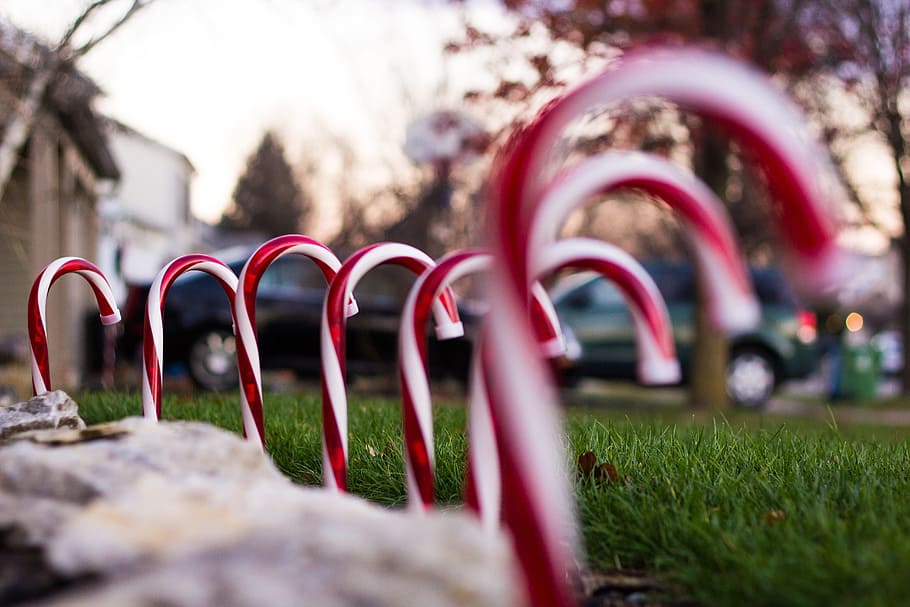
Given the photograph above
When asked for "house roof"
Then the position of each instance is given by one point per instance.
(70, 96)
(119, 127)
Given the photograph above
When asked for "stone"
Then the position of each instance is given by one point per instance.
(342, 552)
(180, 513)
(48, 411)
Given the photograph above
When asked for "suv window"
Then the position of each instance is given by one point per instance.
(771, 288)
(292, 272)
(676, 282)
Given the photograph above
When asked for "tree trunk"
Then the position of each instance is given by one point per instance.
(905, 307)
(708, 373)
(904, 193)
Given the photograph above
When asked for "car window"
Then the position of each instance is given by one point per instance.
(605, 293)
(675, 282)
(771, 288)
(597, 293)
(292, 272)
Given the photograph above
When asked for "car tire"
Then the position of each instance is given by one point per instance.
(751, 377)
(212, 360)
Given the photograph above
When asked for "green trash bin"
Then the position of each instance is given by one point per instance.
(860, 371)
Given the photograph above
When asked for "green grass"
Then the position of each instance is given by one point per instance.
(739, 511)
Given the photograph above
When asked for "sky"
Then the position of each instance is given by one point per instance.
(207, 77)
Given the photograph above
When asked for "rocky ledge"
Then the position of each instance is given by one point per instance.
(185, 514)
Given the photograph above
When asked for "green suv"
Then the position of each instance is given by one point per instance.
(781, 347)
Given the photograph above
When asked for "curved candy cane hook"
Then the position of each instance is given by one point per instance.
(37, 305)
(417, 411)
(153, 335)
(732, 305)
(657, 362)
(755, 113)
(536, 500)
(245, 306)
(334, 395)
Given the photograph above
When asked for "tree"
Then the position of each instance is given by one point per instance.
(60, 59)
(267, 198)
(877, 35)
(784, 37)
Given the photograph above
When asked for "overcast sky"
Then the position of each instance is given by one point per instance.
(208, 76)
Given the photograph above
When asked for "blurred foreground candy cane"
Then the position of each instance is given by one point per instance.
(334, 394)
(657, 363)
(536, 498)
(732, 305)
(417, 412)
(245, 306)
(37, 305)
(153, 336)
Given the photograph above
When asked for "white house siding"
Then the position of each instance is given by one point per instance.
(147, 217)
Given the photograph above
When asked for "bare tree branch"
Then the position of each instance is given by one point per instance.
(134, 8)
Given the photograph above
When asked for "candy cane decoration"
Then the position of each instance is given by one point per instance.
(153, 335)
(657, 362)
(656, 350)
(417, 411)
(245, 305)
(37, 305)
(334, 395)
(536, 499)
(732, 305)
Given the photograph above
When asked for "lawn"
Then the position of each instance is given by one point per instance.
(749, 510)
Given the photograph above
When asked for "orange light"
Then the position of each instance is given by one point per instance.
(854, 322)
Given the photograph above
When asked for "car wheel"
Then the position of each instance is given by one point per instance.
(751, 377)
(212, 360)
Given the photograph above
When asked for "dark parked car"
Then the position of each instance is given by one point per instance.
(197, 325)
(782, 347)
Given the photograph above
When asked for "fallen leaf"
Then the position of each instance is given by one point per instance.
(606, 472)
(587, 461)
(772, 517)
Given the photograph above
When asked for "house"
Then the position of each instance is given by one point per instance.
(145, 219)
(49, 207)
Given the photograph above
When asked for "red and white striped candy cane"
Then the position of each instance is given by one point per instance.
(37, 304)
(245, 306)
(732, 305)
(657, 363)
(153, 335)
(656, 351)
(417, 411)
(334, 394)
(536, 499)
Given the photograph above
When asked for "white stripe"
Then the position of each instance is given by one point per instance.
(335, 390)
